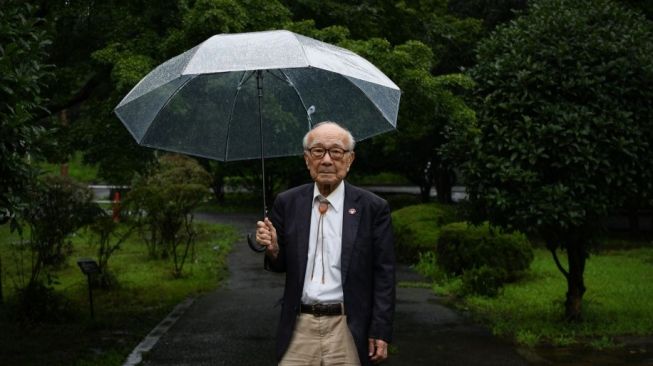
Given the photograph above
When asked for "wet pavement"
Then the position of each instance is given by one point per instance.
(235, 324)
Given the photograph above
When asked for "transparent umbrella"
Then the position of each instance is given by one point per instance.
(255, 95)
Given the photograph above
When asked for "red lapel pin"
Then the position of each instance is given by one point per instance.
(352, 211)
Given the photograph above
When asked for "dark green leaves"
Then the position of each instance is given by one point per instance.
(564, 116)
(23, 74)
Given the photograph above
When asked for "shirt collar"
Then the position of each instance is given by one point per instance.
(336, 198)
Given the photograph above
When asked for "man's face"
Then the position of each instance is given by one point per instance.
(326, 171)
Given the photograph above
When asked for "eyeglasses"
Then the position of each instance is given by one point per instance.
(335, 153)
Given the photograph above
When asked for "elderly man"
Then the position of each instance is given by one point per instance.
(334, 241)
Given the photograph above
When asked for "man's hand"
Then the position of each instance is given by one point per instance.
(378, 350)
(266, 235)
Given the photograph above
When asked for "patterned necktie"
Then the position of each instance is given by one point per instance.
(322, 208)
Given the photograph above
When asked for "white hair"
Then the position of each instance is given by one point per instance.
(352, 141)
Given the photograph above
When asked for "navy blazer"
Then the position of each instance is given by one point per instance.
(367, 262)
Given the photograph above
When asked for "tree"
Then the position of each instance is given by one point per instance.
(493, 12)
(23, 73)
(428, 103)
(415, 43)
(102, 49)
(565, 125)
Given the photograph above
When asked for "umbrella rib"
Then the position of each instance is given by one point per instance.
(376, 106)
(165, 105)
(292, 84)
(242, 81)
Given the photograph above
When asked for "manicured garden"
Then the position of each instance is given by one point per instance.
(529, 309)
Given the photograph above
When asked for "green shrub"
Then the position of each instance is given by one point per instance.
(428, 267)
(476, 252)
(58, 206)
(107, 235)
(164, 200)
(484, 280)
(417, 227)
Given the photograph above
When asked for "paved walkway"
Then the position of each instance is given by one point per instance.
(235, 324)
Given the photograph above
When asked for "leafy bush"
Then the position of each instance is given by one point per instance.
(108, 236)
(417, 227)
(427, 266)
(484, 280)
(164, 200)
(485, 258)
(58, 207)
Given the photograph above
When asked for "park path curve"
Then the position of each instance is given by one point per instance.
(235, 324)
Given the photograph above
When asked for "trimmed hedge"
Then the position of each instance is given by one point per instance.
(417, 227)
(485, 258)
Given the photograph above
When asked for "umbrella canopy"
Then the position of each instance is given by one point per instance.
(209, 100)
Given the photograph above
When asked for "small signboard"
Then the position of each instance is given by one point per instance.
(88, 266)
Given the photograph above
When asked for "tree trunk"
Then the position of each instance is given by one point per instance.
(633, 219)
(443, 185)
(63, 117)
(576, 256)
(217, 184)
(425, 191)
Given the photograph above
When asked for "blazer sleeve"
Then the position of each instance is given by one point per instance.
(383, 305)
(277, 218)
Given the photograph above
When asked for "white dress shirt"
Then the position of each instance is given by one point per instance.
(329, 292)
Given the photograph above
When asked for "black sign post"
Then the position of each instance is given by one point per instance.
(89, 267)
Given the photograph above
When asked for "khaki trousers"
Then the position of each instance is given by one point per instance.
(321, 341)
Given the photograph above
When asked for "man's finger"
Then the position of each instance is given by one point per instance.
(380, 350)
(371, 347)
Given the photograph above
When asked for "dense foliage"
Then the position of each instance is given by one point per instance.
(485, 258)
(462, 246)
(102, 49)
(24, 43)
(416, 229)
(565, 124)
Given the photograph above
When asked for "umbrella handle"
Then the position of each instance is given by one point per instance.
(258, 248)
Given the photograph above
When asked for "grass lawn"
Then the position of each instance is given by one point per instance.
(76, 169)
(123, 316)
(617, 301)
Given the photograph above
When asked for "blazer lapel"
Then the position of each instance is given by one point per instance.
(303, 207)
(351, 218)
